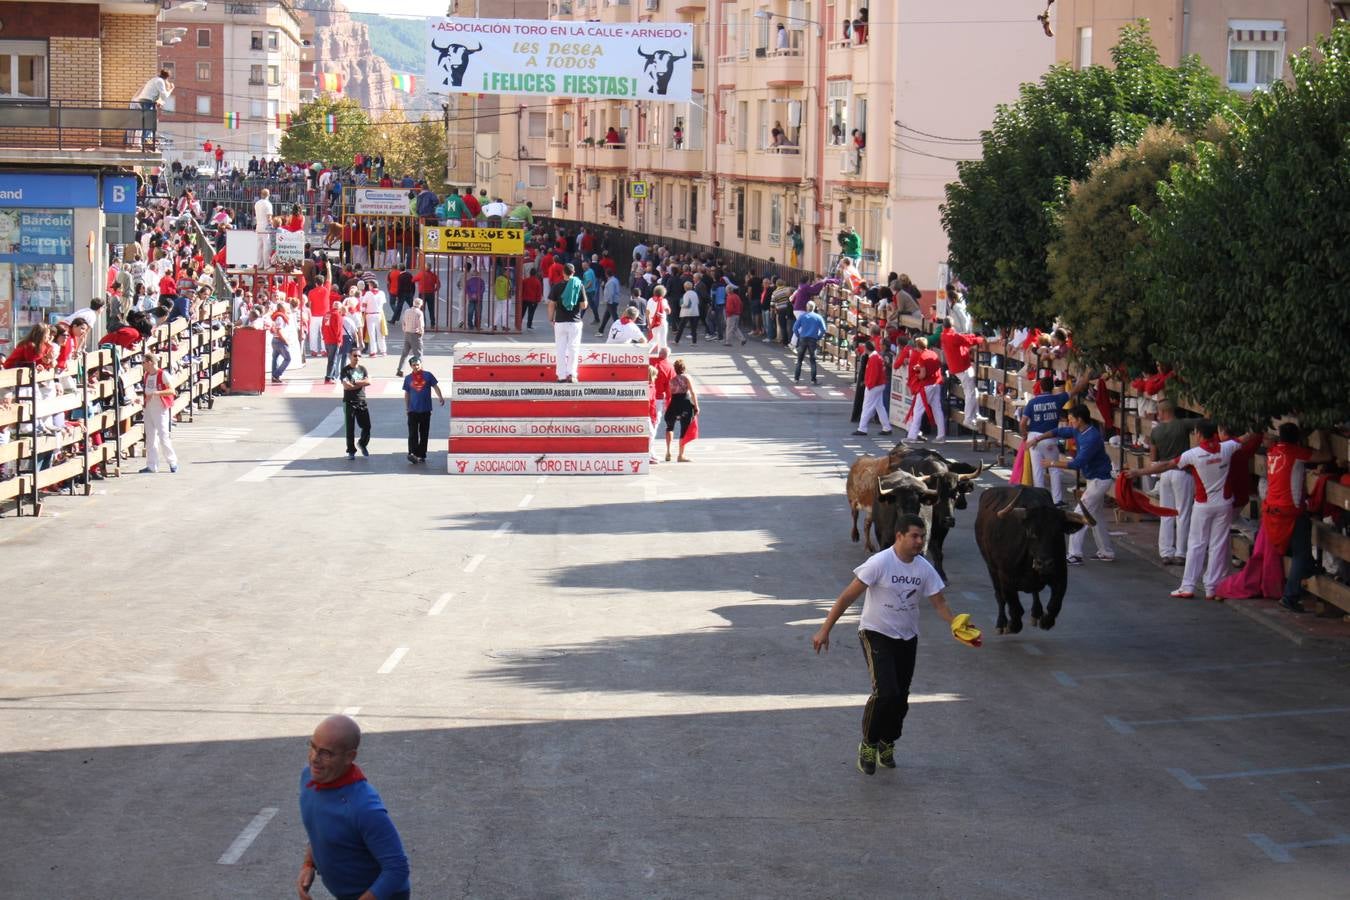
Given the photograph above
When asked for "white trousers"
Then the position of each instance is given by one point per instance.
(157, 442)
(264, 248)
(1176, 490)
(1094, 501)
(873, 406)
(1046, 449)
(796, 314)
(567, 338)
(917, 412)
(316, 335)
(967, 379)
(661, 336)
(374, 340)
(1207, 547)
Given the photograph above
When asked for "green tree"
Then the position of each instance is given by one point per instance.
(413, 147)
(1251, 272)
(1096, 279)
(1002, 213)
(308, 138)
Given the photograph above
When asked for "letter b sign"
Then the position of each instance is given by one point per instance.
(119, 194)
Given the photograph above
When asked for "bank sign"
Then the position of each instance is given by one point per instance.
(592, 60)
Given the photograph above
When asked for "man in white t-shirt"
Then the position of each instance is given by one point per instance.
(372, 303)
(262, 226)
(626, 329)
(895, 580)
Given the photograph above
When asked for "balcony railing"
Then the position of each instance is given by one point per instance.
(74, 125)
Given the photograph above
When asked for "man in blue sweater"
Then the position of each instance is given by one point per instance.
(353, 844)
(808, 331)
(1091, 460)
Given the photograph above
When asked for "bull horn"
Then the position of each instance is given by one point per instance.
(1083, 514)
(973, 475)
(438, 48)
(681, 56)
(475, 49)
(1008, 510)
(930, 477)
(644, 54)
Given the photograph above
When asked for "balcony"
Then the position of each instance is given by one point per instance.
(776, 68)
(76, 130)
(851, 59)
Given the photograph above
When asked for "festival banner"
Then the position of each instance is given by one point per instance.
(550, 428)
(593, 60)
(538, 464)
(493, 241)
(477, 354)
(538, 390)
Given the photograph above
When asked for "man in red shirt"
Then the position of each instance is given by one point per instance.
(957, 350)
(733, 314)
(874, 395)
(428, 283)
(471, 204)
(394, 302)
(608, 264)
(925, 384)
(531, 293)
(331, 327)
(320, 298)
(661, 387)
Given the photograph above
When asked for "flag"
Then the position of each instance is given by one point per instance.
(284, 120)
(405, 83)
(330, 123)
(232, 120)
(331, 81)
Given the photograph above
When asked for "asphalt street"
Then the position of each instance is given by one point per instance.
(604, 687)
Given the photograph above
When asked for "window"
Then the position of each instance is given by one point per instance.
(203, 37)
(171, 103)
(255, 109)
(756, 213)
(763, 106)
(538, 176)
(23, 70)
(273, 109)
(1255, 54)
(273, 40)
(171, 68)
(538, 124)
(255, 74)
(764, 32)
(742, 124)
(274, 75)
(859, 116)
(723, 104)
(203, 105)
(837, 110)
(203, 71)
(776, 219)
(693, 208)
(1084, 48)
(739, 194)
(255, 40)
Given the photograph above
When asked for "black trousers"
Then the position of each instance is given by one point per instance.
(530, 308)
(684, 322)
(357, 415)
(419, 431)
(429, 308)
(890, 662)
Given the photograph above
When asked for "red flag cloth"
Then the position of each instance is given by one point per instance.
(1131, 500)
(1104, 405)
(689, 433)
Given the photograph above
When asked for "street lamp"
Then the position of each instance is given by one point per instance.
(188, 6)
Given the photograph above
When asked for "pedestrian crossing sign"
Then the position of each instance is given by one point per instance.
(637, 190)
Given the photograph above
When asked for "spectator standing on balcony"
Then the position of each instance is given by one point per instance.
(612, 137)
(678, 137)
(152, 96)
(426, 205)
(781, 42)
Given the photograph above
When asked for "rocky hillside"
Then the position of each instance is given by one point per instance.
(341, 44)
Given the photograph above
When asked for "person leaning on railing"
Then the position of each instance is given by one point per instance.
(152, 97)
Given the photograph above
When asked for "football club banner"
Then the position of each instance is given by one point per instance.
(593, 60)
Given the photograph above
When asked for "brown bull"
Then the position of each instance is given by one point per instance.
(861, 488)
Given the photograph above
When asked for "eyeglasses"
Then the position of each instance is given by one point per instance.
(322, 754)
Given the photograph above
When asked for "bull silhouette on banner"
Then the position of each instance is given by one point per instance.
(454, 60)
(659, 65)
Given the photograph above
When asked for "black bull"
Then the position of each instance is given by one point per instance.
(950, 480)
(1020, 533)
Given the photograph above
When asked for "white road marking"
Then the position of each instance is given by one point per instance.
(475, 562)
(392, 661)
(351, 711)
(1128, 727)
(501, 530)
(541, 479)
(278, 461)
(1032, 650)
(1194, 781)
(247, 836)
(525, 501)
(441, 603)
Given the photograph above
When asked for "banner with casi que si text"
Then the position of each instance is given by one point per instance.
(645, 61)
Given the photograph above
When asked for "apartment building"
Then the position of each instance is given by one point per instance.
(806, 118)
(68, 151)
(1244, 42)
(236, 66)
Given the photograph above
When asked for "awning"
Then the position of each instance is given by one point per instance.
(1256, 35)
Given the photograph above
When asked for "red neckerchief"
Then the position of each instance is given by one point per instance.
(1210, 444)
(419, 380)
(624, 320)
(353, 775)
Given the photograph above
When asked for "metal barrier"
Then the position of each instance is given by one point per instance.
(74, 124)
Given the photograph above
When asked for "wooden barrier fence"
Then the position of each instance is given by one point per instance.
(98, 410)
